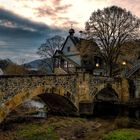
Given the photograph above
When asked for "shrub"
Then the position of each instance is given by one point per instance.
(123, 134)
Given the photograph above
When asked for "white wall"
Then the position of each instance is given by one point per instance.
(73, 54)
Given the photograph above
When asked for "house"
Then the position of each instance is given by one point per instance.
(71, 59)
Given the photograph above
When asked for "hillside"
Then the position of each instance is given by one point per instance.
(39, 64)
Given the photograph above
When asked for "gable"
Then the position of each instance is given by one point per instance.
(57, 53)
(69, 47)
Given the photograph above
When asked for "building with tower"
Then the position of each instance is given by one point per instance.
(70, 59)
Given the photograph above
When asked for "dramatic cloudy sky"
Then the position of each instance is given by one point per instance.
(25, 24)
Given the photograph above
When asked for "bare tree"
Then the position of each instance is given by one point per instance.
(47, 50)
(13, 68)
(88, 50)
(130, 51)
(111, 28)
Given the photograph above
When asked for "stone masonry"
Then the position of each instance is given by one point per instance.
(75, 89)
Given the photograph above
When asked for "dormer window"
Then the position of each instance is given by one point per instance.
(68, 49)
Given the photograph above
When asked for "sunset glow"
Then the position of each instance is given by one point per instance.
(63, 13)
(45, 18)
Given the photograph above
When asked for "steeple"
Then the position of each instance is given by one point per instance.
(71, 32)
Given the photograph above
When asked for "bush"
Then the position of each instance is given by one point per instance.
(123, 134)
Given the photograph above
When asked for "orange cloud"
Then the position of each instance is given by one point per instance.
(77, 11)
(56, 2)
(52, 11)
(130, 5)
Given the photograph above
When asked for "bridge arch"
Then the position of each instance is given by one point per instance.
(57, 101)
(107, 94)
(106, 102)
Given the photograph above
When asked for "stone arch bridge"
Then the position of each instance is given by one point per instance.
(68, 94)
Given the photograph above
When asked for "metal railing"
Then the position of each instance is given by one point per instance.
(133, 69)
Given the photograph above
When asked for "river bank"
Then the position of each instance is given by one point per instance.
(63, 128)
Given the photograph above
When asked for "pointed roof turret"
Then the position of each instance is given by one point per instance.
(71, 32)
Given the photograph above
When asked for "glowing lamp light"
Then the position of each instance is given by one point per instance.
(97, 65)
(124, 63)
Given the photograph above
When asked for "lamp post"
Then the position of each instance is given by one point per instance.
(124, 65)
(97, 65)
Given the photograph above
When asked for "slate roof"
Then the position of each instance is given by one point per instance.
(74, 39)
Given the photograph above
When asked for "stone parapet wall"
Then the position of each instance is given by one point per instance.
(10, 86)
(79, 89)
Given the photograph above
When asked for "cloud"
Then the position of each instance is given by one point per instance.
(20, 37)
(133, 6)
(56, 2)
(66, 21)
(52, 11)
(56, 13)
(12, 24)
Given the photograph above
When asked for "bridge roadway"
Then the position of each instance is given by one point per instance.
(62, 93)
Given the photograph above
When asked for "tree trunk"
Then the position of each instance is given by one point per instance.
(109, 69)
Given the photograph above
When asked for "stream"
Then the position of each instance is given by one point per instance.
(40, 107)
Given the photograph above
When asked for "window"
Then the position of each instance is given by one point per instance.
(56, 62)
(65, 64)
(70, 65)
(68, 49)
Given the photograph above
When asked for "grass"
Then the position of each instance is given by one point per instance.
(123, 134)
(52, 129)
(68, 128)
(36, 132)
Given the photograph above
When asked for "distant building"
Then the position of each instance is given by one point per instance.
(69, 59)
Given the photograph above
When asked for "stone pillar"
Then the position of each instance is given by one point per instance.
(122, 89)
(85, 104)
(137, 91)
(125, 90)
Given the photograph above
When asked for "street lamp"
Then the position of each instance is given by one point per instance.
(124, 63)
(97, 65)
